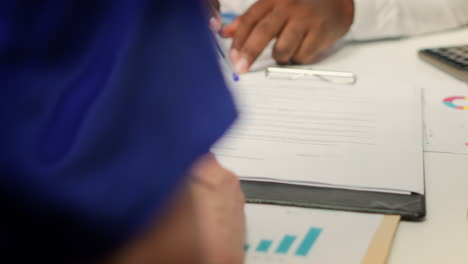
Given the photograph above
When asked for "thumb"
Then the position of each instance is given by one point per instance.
(230, 30)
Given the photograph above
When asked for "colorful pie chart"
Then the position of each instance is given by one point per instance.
(450, 102)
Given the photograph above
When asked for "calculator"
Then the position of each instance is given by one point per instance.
(452, 60)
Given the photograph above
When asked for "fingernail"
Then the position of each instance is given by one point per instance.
(215, 24)
(234, 55)
(242, 65)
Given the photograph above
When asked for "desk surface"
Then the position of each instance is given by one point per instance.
(443, 236)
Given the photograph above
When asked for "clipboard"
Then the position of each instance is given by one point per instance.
(409, 207)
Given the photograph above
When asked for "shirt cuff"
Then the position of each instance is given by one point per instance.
(364, 20)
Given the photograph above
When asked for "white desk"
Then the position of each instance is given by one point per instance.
(443, 236)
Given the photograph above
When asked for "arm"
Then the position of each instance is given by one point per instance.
(203, 225)
(377, 19)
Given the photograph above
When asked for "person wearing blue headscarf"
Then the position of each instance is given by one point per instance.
(108, 110)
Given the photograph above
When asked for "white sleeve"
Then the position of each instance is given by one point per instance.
(377, 19)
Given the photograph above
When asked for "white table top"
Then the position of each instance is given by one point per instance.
(443, 236)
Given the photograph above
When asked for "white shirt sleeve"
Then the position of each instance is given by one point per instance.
(377, 19)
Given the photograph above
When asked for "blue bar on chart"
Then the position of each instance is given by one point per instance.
(264, 245)
(285, 244)
(308, 242)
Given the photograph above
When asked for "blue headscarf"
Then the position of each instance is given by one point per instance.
(103, 107)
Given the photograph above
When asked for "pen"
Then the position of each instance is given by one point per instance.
(235, 76)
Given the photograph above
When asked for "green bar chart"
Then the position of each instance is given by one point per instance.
(308, 242)
(288, 245)
(264, 245)
(285, 244)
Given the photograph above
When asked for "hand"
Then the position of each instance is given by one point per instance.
(303, 29)
(219, 208)
(204, 223)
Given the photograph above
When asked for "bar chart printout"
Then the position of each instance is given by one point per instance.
(289, 235)
(285, 246)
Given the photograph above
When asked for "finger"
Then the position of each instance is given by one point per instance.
(309, 48)
(215, 23)
(289, 42)
(266, 29)
(247, 22)
(230, 30)
(215, 17)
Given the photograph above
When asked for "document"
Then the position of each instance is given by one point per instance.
(366, 136)
(280, 234)
(446, 117)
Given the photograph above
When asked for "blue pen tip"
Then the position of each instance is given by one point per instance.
(235, 76)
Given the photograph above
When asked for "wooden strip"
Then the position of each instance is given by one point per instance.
(379, 248)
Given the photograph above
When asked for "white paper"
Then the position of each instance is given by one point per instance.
(367, 136)
(446, 126)
(344, 236)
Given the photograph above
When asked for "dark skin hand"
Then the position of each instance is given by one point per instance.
(303, 29)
